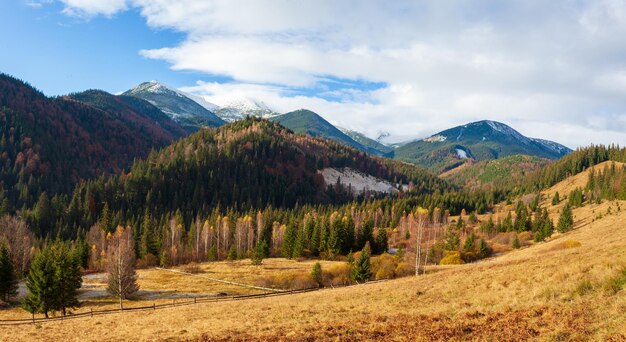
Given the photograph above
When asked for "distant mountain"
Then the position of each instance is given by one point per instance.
(241, 108)
(482, 140)
(190, 113)
(132, 109)
(381, 149)
(307, 122)
(50, 144)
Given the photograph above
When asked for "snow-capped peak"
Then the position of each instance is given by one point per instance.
(239, 108)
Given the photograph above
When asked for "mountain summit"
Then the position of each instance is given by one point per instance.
(481, 140)
(178, 105)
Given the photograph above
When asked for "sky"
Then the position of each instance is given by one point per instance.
(550, 69)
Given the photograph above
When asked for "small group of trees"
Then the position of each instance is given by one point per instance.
(53, 280)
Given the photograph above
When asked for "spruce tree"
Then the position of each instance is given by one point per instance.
(566, 220)
(382, 243)
(362, 269)
(316, 274)
(41, 284)
(516, 242)
(483, 249)
(8, 279)
(67, 276)
(556, 199)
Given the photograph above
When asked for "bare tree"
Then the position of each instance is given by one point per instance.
(122, 278)
(20, 242)
(421, 215)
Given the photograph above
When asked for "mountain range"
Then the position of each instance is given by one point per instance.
(441, 152)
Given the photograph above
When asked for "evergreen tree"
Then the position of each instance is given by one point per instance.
(289, 240)
(68, 277)
(382, 243)
(261, 250)
(362, 269)
(516, 243)
(8, 279)
(367, 233)
(41, 284)
(483, 249)
(556, 199)
(316, 274)
(566, 220)
(469, 243)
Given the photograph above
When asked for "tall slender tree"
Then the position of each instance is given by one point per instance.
(122, 277)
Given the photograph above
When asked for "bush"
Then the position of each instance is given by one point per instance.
(193, 268)
(338, 275)
(405, 269)
(452, 258)
(384, 267)
(148, 260)
(316, 274)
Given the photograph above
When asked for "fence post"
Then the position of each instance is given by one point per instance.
(91, 312)
(153, 306)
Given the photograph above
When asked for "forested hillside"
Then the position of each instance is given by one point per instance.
(50, 144)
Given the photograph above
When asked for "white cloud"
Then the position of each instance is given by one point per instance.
(90, 8)
(443, 63)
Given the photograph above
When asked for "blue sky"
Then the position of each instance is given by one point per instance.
(410, 68)
(59, 54)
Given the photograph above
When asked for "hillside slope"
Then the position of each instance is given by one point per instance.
(307, 122)
(252, 163)
(504, 172)
(49, 144)
(482, 140)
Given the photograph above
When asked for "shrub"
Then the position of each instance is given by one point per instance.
(584, 287)
(516, 244)
(316, 274)
(193, 268)
(338, 275)
(384, 267)
(148, 260)
(405, 269)
(452, 258)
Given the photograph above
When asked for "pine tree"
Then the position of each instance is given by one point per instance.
(469, 243)
(68, 277)
(316, 274)
(261, 250)
(41, 284)
(382, 243)
(516, 242)
(556, 199)
(8, 280)
(483, 249)
(362, 269)
(566, 220)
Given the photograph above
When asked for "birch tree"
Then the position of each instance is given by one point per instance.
(122, 277)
